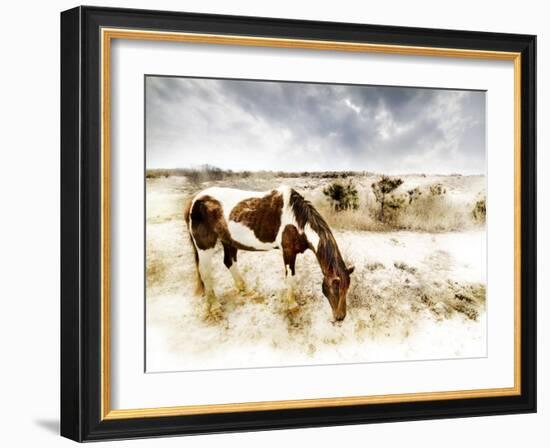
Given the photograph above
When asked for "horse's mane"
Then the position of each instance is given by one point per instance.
(327, 251)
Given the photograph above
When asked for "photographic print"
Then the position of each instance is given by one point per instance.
(275, 224)
(296, 224)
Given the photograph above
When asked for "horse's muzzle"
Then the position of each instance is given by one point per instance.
(339, 315)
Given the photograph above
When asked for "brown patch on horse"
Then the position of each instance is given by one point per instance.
(293, 243)
(208, 223)
(261, 215)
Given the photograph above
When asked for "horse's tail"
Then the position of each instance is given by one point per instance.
(199, 285)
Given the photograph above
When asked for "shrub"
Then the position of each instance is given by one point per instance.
(205, 173)
(437, 190)
(394, 202)
(414, 194)
(405, 267)
(480, 211)
(381, 190)
(156, 173)
(375, 266)
(342, 197)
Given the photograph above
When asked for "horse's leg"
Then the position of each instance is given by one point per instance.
(290, 282)
(205, 269)
(289, 258)
(230, 261)
(293, 243)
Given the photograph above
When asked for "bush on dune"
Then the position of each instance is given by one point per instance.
(204, 173)
(342, 196)
(428, 208)
(480, 211)
(360, 219)
(358, 201)
(381, 190)
(433, 213)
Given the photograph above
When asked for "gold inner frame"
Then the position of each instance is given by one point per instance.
(107, 35)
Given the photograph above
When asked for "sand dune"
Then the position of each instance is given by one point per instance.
(414, 295)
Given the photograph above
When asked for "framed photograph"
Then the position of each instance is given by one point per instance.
(273, 223)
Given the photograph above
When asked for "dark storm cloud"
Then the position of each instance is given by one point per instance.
(297, 126)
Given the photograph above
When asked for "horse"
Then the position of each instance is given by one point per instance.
(259, 221)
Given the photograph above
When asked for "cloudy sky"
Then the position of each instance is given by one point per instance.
(258, 125)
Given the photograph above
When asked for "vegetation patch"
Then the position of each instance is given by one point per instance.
(480, 211)
(342, 196)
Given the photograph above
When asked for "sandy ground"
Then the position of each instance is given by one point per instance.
(414, 296)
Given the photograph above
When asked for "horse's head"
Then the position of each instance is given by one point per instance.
(335, 289)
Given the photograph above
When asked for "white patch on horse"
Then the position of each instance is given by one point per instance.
(245, 236)
(312, 236)
(287, 214)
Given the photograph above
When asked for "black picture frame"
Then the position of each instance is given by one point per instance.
(81, 226)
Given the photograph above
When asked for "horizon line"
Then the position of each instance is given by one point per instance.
(236, 171)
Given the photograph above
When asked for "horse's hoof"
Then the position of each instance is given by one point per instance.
(293, 309)
(240, 300)
(257, 298)
(215, 313)
(214, 317)
(253, 295)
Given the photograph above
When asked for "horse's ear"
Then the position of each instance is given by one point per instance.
(351, 269)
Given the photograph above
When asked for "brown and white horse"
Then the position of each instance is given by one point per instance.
(258, 221)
